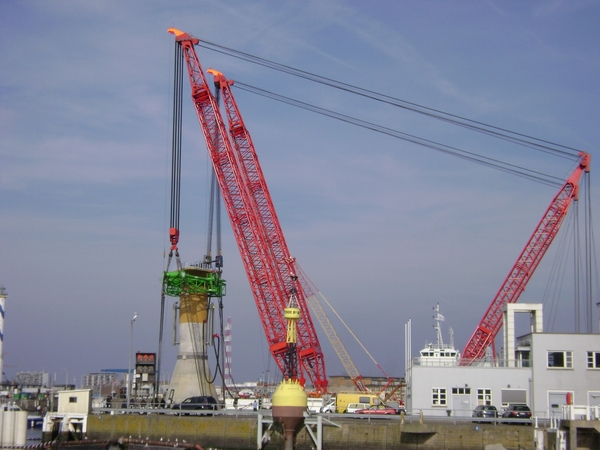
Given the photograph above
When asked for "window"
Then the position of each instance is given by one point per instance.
(560, 359)
(593, 360)
(461, 390)
(484, 396)
(438, 397)
(72, 399)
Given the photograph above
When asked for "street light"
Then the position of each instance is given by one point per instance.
(130, 350)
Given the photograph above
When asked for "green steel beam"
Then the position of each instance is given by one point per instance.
(178, 281)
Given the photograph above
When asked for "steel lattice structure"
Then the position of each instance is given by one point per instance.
(267, 261)
(523, 269)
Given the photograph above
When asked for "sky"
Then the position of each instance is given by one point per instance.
(385, 229)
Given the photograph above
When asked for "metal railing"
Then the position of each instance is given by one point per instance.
(444, 362)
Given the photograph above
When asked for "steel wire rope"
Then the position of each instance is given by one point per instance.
(499, 132)
(554, 285)
(167, 183)
(176, 141)
(588, 255)
(315, 288)
(205, 360)
(175, 193)
(502, 133)
(523, 172)
(220, 365)
(217, 348)
(576, 271)
(165, 231)
(592, 244)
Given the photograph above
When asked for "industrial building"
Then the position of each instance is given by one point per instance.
(543, 370)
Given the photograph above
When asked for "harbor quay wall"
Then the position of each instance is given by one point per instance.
(238, 433)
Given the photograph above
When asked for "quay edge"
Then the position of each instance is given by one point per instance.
(238, 433)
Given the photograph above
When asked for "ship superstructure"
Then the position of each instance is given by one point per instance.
(439, 354)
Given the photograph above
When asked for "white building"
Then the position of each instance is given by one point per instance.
(543, 370)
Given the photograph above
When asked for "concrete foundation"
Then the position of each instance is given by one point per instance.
(192, 374)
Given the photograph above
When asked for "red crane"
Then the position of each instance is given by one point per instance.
(523, 269)
(267, 260)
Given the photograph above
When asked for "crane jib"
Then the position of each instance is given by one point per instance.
(254, 222)
(525, 266)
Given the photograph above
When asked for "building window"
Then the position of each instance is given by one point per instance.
(438, 397)
(461, 390)
(72, 399)
(560, 359)
(593, 360)
(484, 396)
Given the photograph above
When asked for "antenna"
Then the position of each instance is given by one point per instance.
(438, 318)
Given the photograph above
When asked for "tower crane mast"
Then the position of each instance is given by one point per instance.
(524, 267)
(267, 261)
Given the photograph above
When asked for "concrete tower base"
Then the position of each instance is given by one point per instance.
(192, 373)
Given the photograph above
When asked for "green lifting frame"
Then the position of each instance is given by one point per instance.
(178, 281)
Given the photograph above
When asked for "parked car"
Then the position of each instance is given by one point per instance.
(485, 411)
(12, 407)
(328, 407)
(399, 407)
(518, 411)
(378, 410)
(353, 407)
(199, 403)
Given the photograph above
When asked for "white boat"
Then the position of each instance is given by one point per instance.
(439, 354)
(34, 421)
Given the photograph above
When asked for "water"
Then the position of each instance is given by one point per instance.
(34, 436)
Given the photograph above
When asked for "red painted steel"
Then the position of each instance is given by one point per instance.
(269, 266)
(523, 269)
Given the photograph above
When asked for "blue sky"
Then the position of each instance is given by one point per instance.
(384, 228)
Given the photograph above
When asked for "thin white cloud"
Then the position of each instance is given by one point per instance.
(85, 141)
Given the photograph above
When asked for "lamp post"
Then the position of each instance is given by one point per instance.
(130, 350)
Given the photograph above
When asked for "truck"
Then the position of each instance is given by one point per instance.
(340, 402)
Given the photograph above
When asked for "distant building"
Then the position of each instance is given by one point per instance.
(41, 379)
(102, 384)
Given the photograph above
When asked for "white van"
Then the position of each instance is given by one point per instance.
(353, 407)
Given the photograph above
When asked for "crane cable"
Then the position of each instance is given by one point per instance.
(523, 172)
(591, 256)
(477, 126)
(316, 289)
(585, 265)
(481, 127)
(175, 196)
